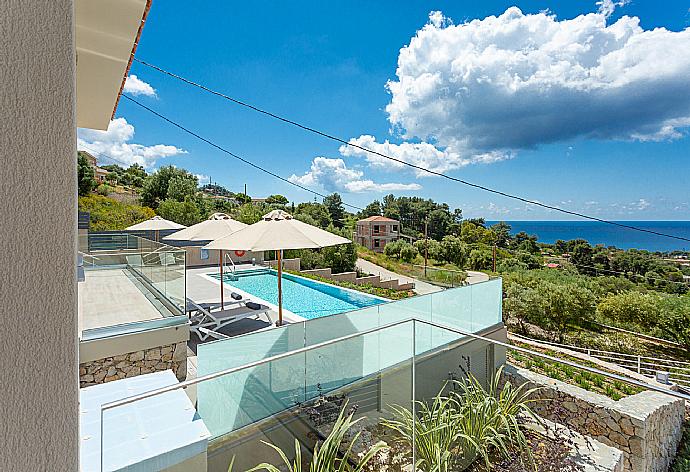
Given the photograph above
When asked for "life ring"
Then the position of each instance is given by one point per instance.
(240, 253)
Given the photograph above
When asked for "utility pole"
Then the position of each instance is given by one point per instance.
(245, 190)
(426, 243)
(494, 264)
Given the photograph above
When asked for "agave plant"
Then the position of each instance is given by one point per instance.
(452, 432)
(328, 456)
(434, 431)
(490, 419)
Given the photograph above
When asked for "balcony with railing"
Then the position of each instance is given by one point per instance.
(411, 374)
(130, 283)
(391, 368)
(131, 306)
(288, 382)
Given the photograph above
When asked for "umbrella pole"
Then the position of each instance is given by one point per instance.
(220, 263)
(280, 288)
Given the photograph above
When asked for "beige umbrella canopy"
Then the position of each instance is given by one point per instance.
(155, 224)
(278, 231)
(216, 226)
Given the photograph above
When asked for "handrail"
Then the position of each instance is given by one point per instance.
(631, 362)
(215, 375)
(641, 335)
(221, 373)
(429, 267)
(188, 383)
(599, 351)
(234, 268)
(592, 370)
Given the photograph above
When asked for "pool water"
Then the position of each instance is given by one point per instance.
(306, 298)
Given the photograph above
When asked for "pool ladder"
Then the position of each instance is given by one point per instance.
(233, 275)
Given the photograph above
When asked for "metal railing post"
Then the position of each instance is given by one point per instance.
(414, 395)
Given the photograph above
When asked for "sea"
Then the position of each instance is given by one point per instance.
(602, 233)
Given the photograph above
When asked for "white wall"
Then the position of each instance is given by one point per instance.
(38, 293)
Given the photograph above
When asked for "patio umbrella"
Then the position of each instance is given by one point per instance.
(155, 224)
(215, 227)
(278, 231)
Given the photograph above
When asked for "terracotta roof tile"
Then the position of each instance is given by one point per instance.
(379, 218)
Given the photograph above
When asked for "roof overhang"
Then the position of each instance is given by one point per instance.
(107, 33)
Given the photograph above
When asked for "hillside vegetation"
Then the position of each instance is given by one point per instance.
(109, 214)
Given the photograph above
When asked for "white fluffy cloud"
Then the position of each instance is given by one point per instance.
(493, 86)
(423, 154)
(333, 175)
(606, 7)
(136, 86)
(114, 142)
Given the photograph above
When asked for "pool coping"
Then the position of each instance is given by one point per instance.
(371, 295)
(293, 317)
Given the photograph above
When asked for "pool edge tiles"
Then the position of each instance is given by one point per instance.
(300, 294)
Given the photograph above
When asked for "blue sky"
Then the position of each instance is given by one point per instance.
(595, 120)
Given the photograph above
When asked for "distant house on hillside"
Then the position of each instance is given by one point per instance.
(377, 231)
(99, 173)
(222, 198)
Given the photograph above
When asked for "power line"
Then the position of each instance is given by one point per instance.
(400, 161)
(102, 154)
(226, 151)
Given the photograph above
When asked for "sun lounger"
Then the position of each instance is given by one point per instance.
(205, 322)
(235, 299)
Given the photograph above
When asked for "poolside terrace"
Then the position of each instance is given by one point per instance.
(115, 296)
(366, 355)
(131, 315)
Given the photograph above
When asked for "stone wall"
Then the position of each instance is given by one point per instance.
(172, 356)
(288, 264)
(373, 280)
(646, 427)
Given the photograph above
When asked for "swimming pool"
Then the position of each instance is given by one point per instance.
(304, 297)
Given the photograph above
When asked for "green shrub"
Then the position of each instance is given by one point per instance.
(407, 252)
(454, 250)
(104, 190)
(341, 258)
(434, 248)
(641, 309)
(108, 214)
(480, 259)
(400, 249)
(392, 249)
(311, 259)
(668, 316)
(473, 423)
(85, 175)
(185, 213)
(331, 455)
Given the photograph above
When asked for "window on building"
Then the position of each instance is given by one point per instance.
(376, 229)
(377, 243)
(395, 228)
